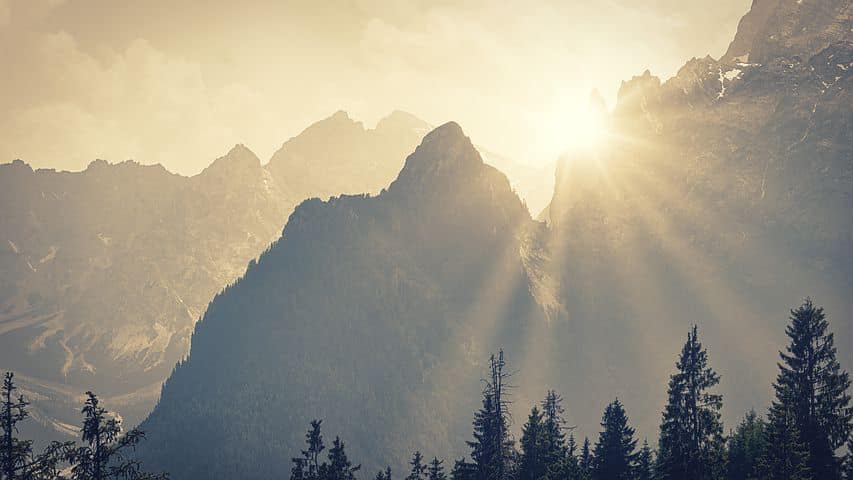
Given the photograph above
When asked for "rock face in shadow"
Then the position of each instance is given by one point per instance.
(368, 311)
(105, 271)
(777, 28)
(721, 197)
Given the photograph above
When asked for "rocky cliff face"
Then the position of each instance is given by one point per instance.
(721, 197)
(371, 312)
(105, 271)
(786, 28)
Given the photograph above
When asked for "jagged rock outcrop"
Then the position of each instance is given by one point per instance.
(104, 272)
(369, 311)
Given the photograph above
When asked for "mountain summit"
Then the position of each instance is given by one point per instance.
(785, 28)
(355, 285)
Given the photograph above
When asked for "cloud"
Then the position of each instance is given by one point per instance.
(139, 103)
(181, 88)
(5, 12)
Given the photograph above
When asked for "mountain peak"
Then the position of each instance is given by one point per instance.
(400, 120)
(239, 158)
(447, 164)
(785, 28)
(443, 151)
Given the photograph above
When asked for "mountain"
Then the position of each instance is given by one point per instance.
(104, 272)
(785, 28)
(338, 155)
(410, 278)
(722, 197)
(719, 197)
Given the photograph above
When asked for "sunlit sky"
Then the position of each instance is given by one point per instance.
(178, 82)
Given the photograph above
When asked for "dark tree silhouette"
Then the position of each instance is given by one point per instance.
(492, 449)
(554, 451)
(419, 469)
(645, 469)
(532, 466)
(436, 470)
(339, 466)
(383, 474)
(691, 433)
(786, 457)
(17, 460)
(104, 453)
(585, 460)
(812, 388)
(614, 451)
(747, 444)
(463, 470)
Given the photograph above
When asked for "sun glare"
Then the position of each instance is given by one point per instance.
(581, 127)
(585, 130)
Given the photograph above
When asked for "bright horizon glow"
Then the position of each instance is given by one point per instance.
(574, 126)
(187, 84)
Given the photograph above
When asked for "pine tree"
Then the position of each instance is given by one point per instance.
(585, 460)
(419, 469)
(614, 451)
(103, 455)
(307, 467)
(383, 474)
(339, 466)
(554, 454)
(571, 469)
(691, 433)
(812, 387)
(463, 470)
(492, 449)
(436, 470)
(14, 453)
(747, 444)
(17, 460)
(786, 457)
(645, 463)
(532, 465)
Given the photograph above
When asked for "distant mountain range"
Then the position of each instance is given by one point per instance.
(105, 271)
(721, 197)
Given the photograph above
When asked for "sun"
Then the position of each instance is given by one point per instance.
(586, 129)
(575, 127)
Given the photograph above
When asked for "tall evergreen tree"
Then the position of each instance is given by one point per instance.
(813, 389)
(383, 474)
(17, 460)
(554, 454)
(585, 460)
(691, 433)
(747, 445)
(419, 468)
(492, 449)
(463, 470)
(533, 466)
(571, 469)
(14, 453)
(645, 463)
(614, 451)
(307, 467)
(339, 466)
(436, 470)
(104, 453)
(786, 456)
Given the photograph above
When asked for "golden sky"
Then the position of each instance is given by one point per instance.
(178, 82)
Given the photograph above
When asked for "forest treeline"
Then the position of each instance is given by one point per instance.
(106, 451)
(802, 436)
